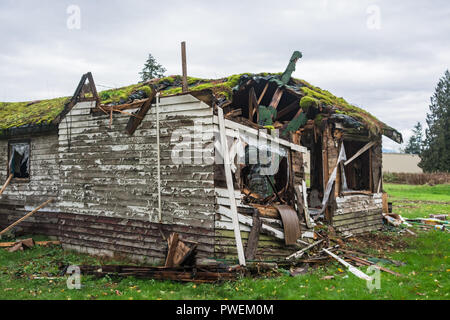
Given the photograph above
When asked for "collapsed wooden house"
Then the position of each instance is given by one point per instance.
(127, 166)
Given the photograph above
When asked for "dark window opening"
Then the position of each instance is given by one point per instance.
(357, 172)
(314, 144)
(19, 160)
(268, 179)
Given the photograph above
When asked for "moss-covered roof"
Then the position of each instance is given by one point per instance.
(18, 114)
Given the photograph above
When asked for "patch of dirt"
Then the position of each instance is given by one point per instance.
(379, 241)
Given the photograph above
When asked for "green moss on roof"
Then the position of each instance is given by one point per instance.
(17, 114)
(307, 101)
(122, 95)
(25, 113)
(339, 105)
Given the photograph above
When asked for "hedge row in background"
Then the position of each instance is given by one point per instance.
(417, 178)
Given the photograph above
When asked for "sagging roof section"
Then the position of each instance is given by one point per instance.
(314, 103)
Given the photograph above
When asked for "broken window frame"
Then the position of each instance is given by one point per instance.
(360, 160)
(11, 143)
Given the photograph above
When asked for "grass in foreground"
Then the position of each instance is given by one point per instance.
(426, 272)
(419, 201)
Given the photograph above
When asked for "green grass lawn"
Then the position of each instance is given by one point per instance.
(426, 270)
(419, 201)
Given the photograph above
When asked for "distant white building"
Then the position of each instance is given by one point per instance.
(392, 162)
(401, 163)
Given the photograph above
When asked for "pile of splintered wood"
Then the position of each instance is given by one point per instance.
(179, 266)
(183, 274)
(321, 251)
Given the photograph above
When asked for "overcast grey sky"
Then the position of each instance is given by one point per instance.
(384, 56)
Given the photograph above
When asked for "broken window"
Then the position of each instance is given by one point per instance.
(266, 172)
(358, 171)
(19, 160)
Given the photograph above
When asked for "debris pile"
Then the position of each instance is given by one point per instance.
(183, 274)
(332, 247)
(29, 243)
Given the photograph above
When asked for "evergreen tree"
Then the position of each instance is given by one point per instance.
(152, 69)
(435, 155)
(414, 145)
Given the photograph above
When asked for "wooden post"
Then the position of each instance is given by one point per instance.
(6, 183)
(263, 93)
(26, 216)
(158, 146)
(325, 168)
(230, 187)
(172, 244)
(370, 171)
(184, 66)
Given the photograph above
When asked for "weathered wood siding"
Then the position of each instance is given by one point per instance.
(107, 173)
(21, 197)
(44, 172)
(358, 213)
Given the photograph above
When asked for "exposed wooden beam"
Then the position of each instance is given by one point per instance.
(276, 98)
(134, 122)
(263, 93)
(252, 104)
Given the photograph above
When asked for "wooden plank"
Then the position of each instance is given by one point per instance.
(305, 203)
(230, 186)
(93, 88)
(261, 134)
(325, 169)
(350, 268)
(6, 184)
(276, 98)
(134, 122)
(252, 104)
(300, 253)
(26, 216)
(360, 152)
(263, 93)
(253, 238)
(172, 243)
(369, 263)
(385, 203)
